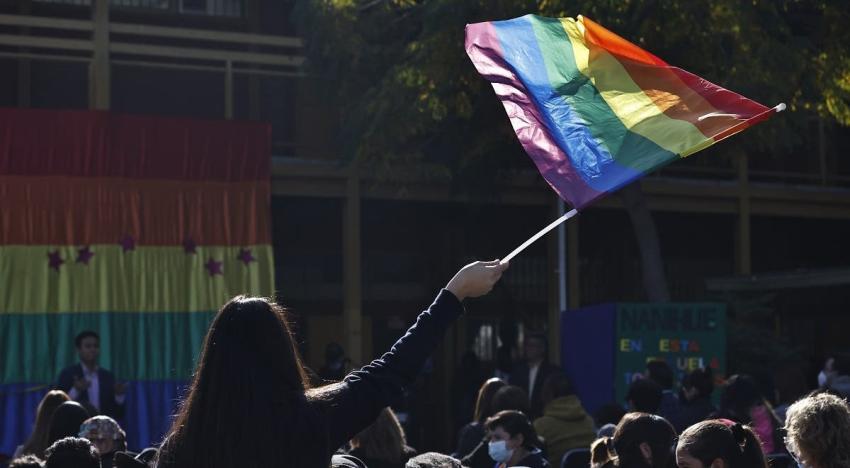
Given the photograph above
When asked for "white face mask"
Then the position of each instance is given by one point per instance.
(499, 451)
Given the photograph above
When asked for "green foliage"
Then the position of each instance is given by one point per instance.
(407, 91)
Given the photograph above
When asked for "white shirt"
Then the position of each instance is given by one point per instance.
(532, 375)
(94, 388)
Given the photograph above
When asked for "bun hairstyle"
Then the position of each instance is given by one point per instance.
(736, 444)
(602, 453)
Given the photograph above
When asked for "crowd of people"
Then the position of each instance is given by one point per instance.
(251, 404)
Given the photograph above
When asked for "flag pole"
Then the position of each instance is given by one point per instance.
(540, 234)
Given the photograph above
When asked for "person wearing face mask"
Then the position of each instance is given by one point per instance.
(513, 441)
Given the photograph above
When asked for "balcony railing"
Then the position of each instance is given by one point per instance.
(221, 8)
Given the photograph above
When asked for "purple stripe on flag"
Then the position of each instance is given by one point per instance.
(482, 46)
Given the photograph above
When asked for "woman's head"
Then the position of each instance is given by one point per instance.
(818, 431)
(66, 421)
(484, 403)
(510, 397)
(509, 431)
(699, 383)
(719, 443)
(248, 389)
(37, 442)
(739, 396)
(641, 440)
(555, 386)
(383, 440)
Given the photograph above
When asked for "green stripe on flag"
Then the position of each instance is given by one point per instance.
(135, 346)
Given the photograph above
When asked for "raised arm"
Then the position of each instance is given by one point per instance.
(355, 402)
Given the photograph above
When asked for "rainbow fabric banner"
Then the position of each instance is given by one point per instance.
(593, 110)
(138, 228)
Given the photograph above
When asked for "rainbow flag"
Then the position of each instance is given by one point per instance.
(136, 227)
(595, 111)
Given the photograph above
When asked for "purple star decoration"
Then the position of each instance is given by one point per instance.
(213, 267)
(84, 255)
(189, 246)
(54, 260)
(245, 256)
(127, 243)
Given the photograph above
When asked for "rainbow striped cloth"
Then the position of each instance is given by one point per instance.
(595, 111)
(136, 227)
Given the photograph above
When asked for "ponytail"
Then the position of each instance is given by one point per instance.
(602, 453)
(737, 445)
(751, 451)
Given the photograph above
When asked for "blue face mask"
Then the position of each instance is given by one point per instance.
(499, 451)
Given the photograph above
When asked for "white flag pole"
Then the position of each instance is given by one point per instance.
(540, 234)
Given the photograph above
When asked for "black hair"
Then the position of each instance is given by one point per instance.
(702, 379)
(660, 373)
(557, 385)
(610, 413)
(623, 450)
(72, 452)
(510, 397)
(78, 340)
(515, 423)
(739, 396)
(645, 396)
(66, 421)
(249, 389)
(737, 445)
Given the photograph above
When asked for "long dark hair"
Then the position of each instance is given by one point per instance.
(737, 445)
(384, 440)
(484, 402)
(246, 405)
(37, 442)
(623, 450)
(66, 421)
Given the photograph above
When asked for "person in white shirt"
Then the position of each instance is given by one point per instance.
(89, 384)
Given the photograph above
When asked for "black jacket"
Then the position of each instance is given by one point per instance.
(359, 398)
(106, 384)
(519, 377)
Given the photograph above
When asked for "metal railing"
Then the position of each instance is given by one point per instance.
(218, 8)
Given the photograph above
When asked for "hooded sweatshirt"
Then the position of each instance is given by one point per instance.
(564, 426)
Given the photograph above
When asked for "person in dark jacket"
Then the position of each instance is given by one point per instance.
(513, 441)
(382, 444)
(696, 403)
(89, 384)
(530, 374)
(249, 406)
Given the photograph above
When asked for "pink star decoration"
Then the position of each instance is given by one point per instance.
(127, 243)
(189, 246)
(84, 255)
(54, 260)
(213, 267)
(245, 256)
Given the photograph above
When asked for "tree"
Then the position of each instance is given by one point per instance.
(407, 92)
